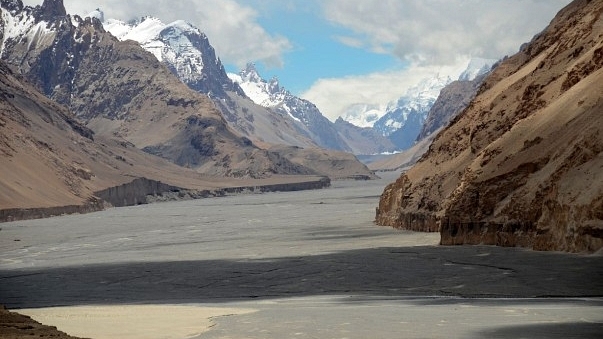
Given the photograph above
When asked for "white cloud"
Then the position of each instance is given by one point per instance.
(231, 27)
(433, 35)
(333, 96)
(436, 31)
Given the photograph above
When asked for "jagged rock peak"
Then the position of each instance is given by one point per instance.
(250, 73)
(273, 85)
(187, 27)
(97, 13)
(12, 5)
(52, 9)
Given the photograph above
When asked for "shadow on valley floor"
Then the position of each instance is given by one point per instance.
(546, 331)
(472, 271)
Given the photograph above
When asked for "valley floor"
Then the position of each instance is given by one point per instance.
(307, 264)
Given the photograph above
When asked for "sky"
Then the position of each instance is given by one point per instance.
(337, 53)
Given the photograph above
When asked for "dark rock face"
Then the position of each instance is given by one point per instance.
(13, 214)
(405, 137)
(14, 326)
(52, 9)
(211, 79)
(521, 165)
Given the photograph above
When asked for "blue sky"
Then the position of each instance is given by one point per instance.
(338, 53)
(315, 51)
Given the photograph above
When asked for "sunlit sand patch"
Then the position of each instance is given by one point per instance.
(132, 321)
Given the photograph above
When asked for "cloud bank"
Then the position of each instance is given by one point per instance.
(437, 31)
(332, 96)
(432, 36)
(231, 26)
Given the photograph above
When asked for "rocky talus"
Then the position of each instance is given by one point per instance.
(523, 164)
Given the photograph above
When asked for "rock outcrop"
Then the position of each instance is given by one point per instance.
(521, 166)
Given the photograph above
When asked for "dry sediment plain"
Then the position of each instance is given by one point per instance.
(307, 264)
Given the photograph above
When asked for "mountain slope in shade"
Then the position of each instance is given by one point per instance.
(521, 166)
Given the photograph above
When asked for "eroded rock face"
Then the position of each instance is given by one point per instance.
(523, 164)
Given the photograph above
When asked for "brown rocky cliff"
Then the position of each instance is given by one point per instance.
(521, 166)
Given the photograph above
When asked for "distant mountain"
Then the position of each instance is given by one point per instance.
(363, 140)
(271, 95)
(182, 47)
(404, 118)
(476, 67)
(453, 99)
(521, 165)
(364, 115)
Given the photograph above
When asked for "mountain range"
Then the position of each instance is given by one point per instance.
(522, 164)
(188, 53)
(114, 92)
(261, 110)
(96, 112)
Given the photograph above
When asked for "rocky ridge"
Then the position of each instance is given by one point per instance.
(521, 166)
(187, 52)
(271, 95)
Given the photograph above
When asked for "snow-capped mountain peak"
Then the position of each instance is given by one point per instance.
(271, 95)
(404, 117)
(392, 116)
(182, 47)
(264, 93)
(97, 13)
(476, 67)
(143, 31)
(249, 74)
(249, 77)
